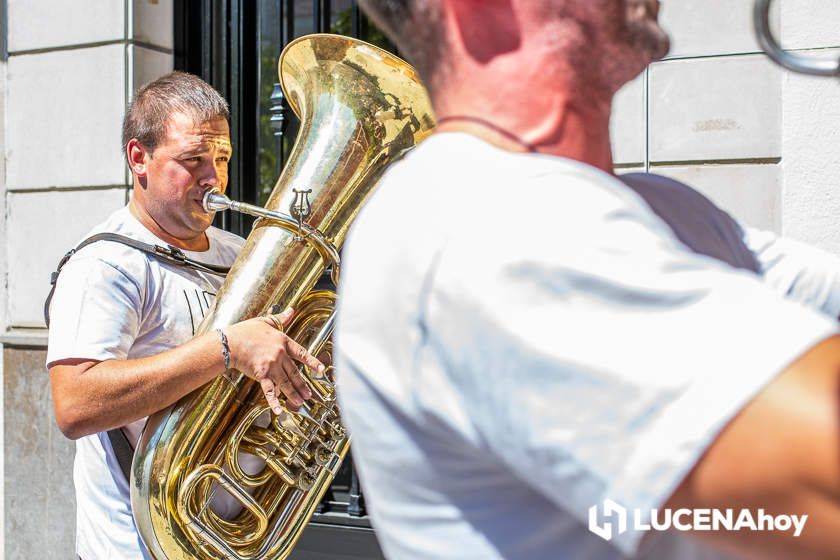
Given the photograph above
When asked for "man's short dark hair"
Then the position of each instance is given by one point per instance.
(177, 92)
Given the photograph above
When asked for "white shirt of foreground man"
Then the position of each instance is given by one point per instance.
(537, 354)
(533, 340)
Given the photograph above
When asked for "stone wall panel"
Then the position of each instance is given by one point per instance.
(38, 489)
(42, 227)
(44, 24)
(63, 120)
(715, 109)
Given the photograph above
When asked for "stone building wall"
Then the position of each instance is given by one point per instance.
(70, 71)
(717, 114)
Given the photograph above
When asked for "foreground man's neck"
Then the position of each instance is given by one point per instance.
(516, 119)
(575, 138)
(536, 91)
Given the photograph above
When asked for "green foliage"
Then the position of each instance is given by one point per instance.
(270, 145)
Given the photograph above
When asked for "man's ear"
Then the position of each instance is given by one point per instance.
(138, 157)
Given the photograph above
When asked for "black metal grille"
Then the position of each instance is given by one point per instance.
(234, 45)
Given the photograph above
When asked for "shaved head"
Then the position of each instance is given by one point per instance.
(619, 37)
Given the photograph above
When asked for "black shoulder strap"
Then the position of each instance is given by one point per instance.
(123, 450)
(119, 442)
(170, 254)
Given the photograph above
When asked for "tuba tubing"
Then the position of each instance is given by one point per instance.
(793, 62)
(360, 109)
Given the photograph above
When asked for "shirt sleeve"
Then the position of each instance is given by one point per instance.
(797, 270)
(603, 366)
(95, 313)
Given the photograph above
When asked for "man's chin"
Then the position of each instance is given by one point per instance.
(198, 225)
(643, 29)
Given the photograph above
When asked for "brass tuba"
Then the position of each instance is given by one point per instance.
(360, 108)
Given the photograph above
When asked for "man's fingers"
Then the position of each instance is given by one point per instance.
(299, 353)
(267, 319)
(271, 395)
(291, 370)
(279, 321)
(286, 316)
(293, 398)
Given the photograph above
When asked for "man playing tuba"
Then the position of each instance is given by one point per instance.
(121, 343)
(555, 356)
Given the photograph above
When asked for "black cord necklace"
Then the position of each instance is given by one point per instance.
(491, 126)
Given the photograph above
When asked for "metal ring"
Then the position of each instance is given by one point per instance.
(277, 324)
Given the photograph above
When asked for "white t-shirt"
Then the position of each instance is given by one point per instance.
(796, 270)
(520, 337)
(115, 302)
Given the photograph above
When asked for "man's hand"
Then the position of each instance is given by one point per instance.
(264, 353)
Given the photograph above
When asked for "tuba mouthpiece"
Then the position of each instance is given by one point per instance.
(214, 201)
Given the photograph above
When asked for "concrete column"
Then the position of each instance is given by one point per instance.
(3, 260)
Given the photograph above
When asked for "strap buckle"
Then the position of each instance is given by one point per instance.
(171, 252)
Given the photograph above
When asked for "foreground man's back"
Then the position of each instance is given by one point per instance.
(521, 337)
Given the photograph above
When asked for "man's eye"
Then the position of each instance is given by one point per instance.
(223, 158)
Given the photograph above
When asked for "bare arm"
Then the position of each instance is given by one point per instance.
(782, 454)
(92, 396)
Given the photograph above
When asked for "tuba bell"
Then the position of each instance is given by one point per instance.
(360, 108)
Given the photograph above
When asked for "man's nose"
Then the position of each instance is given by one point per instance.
(211, 175)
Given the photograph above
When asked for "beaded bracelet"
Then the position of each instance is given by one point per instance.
(225, 348)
